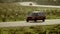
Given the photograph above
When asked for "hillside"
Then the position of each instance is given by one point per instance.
(41, 2)
(16, 12)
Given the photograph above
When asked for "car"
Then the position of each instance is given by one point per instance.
(30, 4)
(36, 16)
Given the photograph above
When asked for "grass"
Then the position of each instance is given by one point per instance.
(16, 12)
(45, 29)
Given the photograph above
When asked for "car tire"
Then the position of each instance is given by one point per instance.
(43, 20)
(27, 20)
(35, 20)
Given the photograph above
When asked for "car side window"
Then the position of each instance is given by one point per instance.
(35, 14)
(41, 14)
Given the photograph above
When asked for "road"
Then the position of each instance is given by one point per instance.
(36, 5)
(31, 23)
(46, 6)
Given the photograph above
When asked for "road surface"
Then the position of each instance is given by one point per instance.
(31, 23)
(36, 5)
(47, 6)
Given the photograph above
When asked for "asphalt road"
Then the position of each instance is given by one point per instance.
(36, 5)
(46, 6)
(31, 23)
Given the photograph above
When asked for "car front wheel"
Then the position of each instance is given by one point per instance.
(35, 20)
(43, 20)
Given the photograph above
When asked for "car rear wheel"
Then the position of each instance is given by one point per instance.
(27, 20)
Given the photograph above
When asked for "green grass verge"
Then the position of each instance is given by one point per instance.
(47, 29)
(16, 12)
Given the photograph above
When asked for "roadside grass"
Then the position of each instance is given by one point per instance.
(42, 29)
(16, 12)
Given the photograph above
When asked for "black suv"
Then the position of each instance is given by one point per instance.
(36, 16)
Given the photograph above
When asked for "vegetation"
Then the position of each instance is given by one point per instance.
(45, 2)
(16, 12)
(47, 29)
(41, 2)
